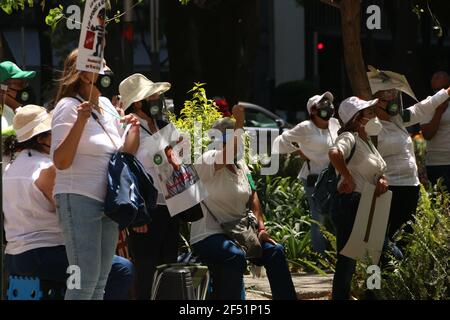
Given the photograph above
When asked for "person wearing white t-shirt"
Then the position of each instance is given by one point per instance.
(85, 136)
(436, 130)
(311, 139)
(230, 189)
(35, 245)
(365, 166)
(397, 149)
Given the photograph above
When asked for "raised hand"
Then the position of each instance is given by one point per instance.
(84, 111)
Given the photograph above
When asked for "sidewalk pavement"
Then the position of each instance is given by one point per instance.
(308, 286)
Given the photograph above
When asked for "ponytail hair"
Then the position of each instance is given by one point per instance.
(11, 146)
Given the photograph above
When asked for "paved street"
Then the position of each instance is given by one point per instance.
(308, 286)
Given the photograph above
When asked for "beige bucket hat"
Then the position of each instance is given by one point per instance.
(31, 120)
(137, 87)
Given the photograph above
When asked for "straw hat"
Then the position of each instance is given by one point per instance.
(30, 121)
(137, 87)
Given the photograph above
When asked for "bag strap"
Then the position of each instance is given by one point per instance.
(352, 152)
(96, 119)
(94, 115)
(207, 209)
(248, 202)
(148, 131)
(309, 166)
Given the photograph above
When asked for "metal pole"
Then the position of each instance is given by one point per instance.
(316, 58)
(154, 36)
(24, 56)
(3, 89)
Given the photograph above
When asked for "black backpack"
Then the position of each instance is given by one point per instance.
(326, 186)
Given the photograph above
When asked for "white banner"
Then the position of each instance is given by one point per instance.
(369, 228)
(178, 181)
(91, 44)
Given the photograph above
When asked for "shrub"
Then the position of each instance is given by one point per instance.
(198, 110)
(288, 221)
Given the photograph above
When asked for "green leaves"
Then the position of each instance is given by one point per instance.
(197, 117)
(54, 16)
(288, 222)
(10, 5)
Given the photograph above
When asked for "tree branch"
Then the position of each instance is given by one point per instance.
(333, 3)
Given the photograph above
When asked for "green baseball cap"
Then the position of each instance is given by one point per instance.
(9, 70)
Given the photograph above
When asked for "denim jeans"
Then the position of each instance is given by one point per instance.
(120, 279)
(436, 172)
(343, 213)
(91, 240)
(318, 240)
(50, 263)
(227, 263)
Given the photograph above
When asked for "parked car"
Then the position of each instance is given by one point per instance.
(261, 123)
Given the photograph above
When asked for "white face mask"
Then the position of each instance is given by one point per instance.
(373, 127)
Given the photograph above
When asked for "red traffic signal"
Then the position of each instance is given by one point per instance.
(320, 46)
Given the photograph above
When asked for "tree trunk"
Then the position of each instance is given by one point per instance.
(354, 61)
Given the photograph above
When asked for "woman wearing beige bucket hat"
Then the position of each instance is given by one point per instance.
(157, 243)
(86, 132)
(28, 206)
(35, 240)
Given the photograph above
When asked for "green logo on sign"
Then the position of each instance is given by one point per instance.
(157, 159)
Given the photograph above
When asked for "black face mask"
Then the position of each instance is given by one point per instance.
(25, 96)
(105, 83)
(325, 110)
(392, 108)
(154, 108)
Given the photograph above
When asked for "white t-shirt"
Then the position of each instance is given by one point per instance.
(438, 148)
(7, 117)
(7, 120)
(143, 157)
(87, 175)
(228, 196)
(312, 141)
(366, 164)
(396, 146)
(397, 149)
(30, 219)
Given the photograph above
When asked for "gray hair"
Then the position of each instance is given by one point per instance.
(223, 124)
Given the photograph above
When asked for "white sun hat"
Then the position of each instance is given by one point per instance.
(316, 99)
(137, 87)
(30, 121)
(350, 106)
